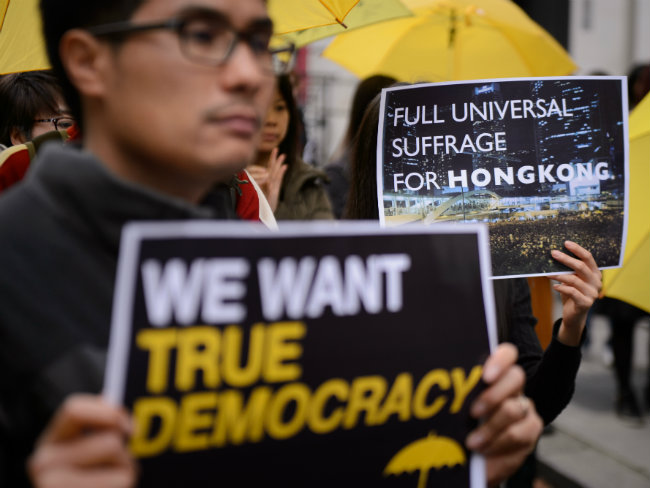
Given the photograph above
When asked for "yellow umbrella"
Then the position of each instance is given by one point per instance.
(452, 40)
(21, 42)
(305, 21)
(631, 283)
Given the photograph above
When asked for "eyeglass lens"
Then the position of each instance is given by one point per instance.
(212, 40)
(63, 123)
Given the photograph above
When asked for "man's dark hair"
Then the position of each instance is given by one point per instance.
(23, 97)
(59, 16)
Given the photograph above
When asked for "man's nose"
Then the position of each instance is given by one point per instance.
(243, 69)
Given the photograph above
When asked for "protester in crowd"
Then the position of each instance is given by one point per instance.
(292, 187)
(33, 112)
(638, 83)
(551, 373)
(515, 321)
(166, 123)
(31, 104)
(338, 170)
(26, 97)
(161, 128)
(622, 316)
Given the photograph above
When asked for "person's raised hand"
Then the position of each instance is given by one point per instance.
(269, 178)
(578, 290)
(509, 424)
(84, 445)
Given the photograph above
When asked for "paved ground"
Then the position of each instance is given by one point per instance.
(590, 446)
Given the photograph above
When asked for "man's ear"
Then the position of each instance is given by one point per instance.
(17, 136)
(86, 61)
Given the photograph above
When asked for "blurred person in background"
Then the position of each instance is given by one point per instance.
(550, 373)
(31, 104)
(622, 316)
(293, 188)
(338, 170)
(33, 113)
(638, 83)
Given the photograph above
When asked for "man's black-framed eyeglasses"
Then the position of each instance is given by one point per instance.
(207, 37)
(62, 122)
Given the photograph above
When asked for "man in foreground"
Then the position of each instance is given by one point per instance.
(170, 104)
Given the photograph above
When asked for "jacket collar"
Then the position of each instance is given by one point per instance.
(84, 192)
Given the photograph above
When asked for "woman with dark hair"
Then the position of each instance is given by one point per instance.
(338, 170)
(362, 196)
(293, 188)
(550, 373)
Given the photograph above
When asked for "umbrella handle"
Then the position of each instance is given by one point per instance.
(422, 480)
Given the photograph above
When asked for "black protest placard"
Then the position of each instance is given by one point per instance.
(540, 161)
(321, 355)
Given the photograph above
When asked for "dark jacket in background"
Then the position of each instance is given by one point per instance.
(303, 195)
(338, 186)
(550, 374)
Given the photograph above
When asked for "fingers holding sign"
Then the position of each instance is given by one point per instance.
(510, 426)
(578, 290)
(84, 445)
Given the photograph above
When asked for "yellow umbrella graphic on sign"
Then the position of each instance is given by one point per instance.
(424, 454)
